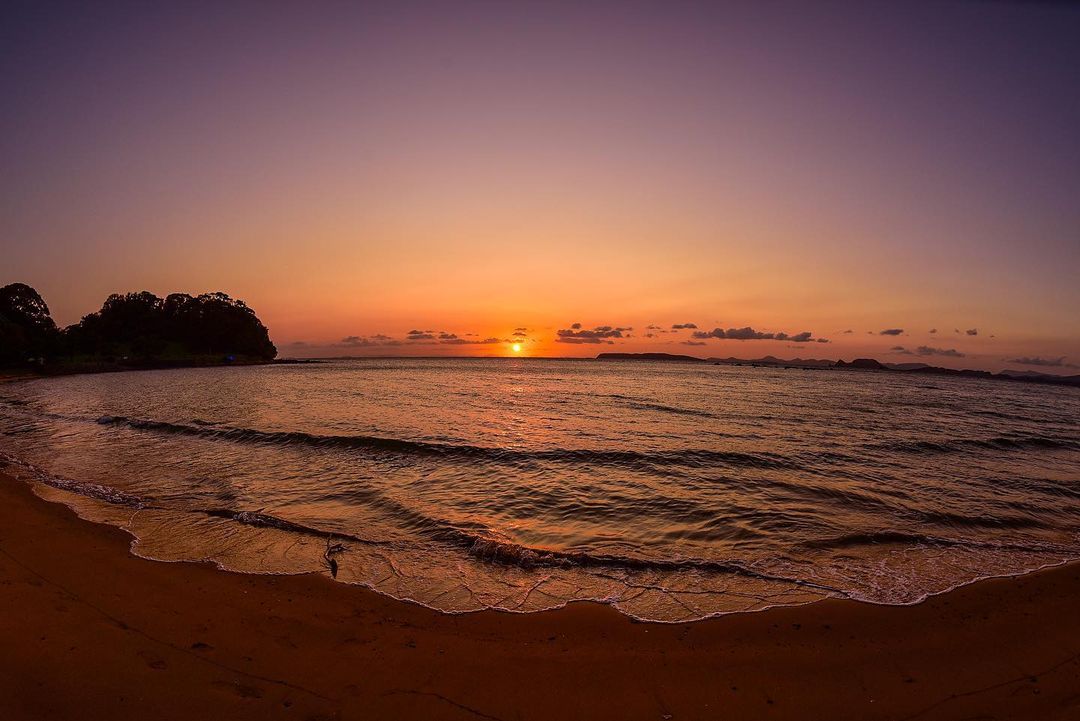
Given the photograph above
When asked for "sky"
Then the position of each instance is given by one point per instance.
(898, 180)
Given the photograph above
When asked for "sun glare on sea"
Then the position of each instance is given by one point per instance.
(516, 347)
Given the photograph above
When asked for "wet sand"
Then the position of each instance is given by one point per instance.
(89, 631)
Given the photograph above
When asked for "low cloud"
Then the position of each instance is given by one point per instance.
(693, 342)
(600, 334)
(464, 341)
(576, 340)
(848, 331)
(684, 326)
(899, 349)
(366, 341)
(1058, 362)
(933, 331)
(748, 333)
(891, 331)
(972, 331)
(925, 350)
(413, 337)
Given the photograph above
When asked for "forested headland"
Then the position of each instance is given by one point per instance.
(131, 330)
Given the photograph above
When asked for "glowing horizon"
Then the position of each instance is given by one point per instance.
(468, 171)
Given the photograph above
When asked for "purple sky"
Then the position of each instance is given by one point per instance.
(363, 169)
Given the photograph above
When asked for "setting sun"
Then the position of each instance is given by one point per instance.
(516, 347)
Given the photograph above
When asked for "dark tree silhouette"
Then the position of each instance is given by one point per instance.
(139, 326)
(146, 326)
(26, 328)
(230, 326)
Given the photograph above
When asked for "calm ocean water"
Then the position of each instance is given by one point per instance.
(672, 491)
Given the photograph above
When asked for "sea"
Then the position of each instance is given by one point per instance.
(670, 491)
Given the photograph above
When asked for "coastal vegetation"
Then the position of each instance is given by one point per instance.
(131, 330)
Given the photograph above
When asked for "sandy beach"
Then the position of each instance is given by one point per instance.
(87, 625)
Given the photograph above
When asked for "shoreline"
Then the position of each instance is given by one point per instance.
(60, 370)
(67, 497)
(90, 625)
(1046, 379)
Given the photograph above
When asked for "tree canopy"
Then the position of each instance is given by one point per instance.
(135, 325)
(26, 327)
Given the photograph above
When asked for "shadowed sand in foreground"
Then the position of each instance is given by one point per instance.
(90, 631)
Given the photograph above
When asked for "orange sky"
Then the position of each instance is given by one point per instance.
(472, 171)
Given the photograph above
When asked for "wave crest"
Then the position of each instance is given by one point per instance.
(687, 457)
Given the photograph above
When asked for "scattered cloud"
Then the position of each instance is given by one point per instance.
(949, 352)
(652, 327)
(362, 341)
(1058, 362)
(848, 331)
(464, 341)
(972, 331)
(519, 333)
(748, 333)
(925, 350)
(577, 340)
(600, 334)
(684, 326)
(693, 342)
(413, 337)
(891, 331)
(933, 331)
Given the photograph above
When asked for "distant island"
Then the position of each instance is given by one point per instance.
(864, 364)
(651, 357)
(132, 330)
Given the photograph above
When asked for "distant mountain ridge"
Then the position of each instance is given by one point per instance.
(651, 357)
(863, 364)
(770, 360)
